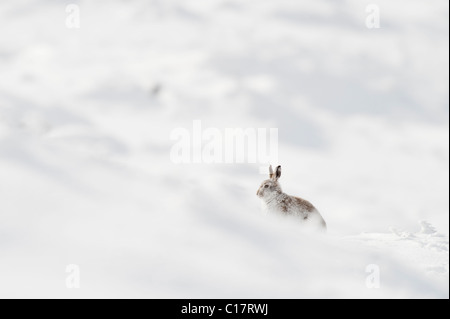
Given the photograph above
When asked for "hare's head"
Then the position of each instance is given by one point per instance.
(270, 187)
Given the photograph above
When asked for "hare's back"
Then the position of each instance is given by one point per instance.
(304, 205)
(312, 214)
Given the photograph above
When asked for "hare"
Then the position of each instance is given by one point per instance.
(280, 203)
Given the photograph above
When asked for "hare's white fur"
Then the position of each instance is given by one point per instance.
(275, 201)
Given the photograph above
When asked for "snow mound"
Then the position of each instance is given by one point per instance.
(86, 116)
(426, 250)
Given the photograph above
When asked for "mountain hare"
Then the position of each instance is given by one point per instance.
(278, 202)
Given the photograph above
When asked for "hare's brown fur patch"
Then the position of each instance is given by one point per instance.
(304, 204)
(290, 201)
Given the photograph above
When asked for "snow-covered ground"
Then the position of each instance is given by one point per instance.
(86, 176)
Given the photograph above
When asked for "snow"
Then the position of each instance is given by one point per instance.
(86, 176)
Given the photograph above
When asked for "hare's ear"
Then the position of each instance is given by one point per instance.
(270, 172)
(278, 172)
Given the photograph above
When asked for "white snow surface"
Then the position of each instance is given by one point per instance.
(86, 177)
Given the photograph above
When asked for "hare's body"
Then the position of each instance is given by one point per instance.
(275, 201)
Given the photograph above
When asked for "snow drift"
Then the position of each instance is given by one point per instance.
(86, 177)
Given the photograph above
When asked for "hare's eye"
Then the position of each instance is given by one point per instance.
(265, 186)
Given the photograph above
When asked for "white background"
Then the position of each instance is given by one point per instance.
(86, 176)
